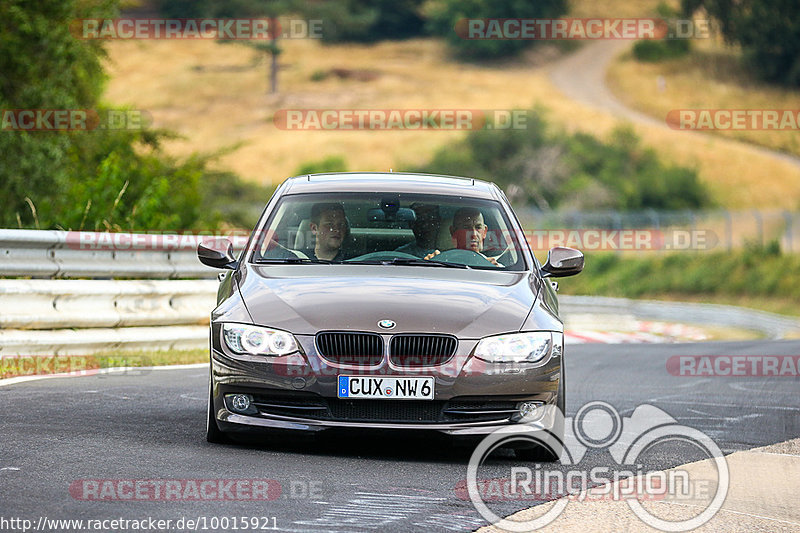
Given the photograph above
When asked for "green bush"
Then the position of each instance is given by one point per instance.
(767, 30)
(663, 49)
(111, 179)
(333, 163)
(654, 51)
(446, 14)
(692, 274)
(553, 169)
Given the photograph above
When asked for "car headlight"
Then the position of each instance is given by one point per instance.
(255, 340)
(529, 347)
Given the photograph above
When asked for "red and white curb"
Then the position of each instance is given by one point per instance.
(639, 332)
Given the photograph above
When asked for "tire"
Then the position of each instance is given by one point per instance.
(541, 454)
(213, 433)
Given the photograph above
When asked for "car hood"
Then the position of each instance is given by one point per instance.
(305, 299)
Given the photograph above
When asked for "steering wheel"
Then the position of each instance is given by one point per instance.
(382, 256)
(465, 257)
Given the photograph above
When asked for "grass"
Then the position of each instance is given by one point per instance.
(228, 103)
(30, 365)
(772, 304)
(712, 76)
(214, 95)
(750, 278)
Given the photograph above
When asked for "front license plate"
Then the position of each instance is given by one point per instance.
(386, 388)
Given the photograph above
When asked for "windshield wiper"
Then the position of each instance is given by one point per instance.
(292, 260)
(406, 261)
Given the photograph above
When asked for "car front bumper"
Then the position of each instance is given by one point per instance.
(299, 393)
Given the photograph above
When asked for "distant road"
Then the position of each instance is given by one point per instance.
(581, 76)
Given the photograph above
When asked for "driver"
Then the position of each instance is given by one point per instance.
(468, 232)
(426, 225)
(329, 226)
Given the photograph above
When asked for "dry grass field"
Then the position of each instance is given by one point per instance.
(712, 77)
(215, 96)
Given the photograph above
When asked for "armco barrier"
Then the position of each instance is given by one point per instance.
(74, 254)
(78, 316)
(52, 304)
(91, 340)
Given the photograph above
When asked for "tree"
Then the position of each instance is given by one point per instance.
(446, 14)
(767, 30)
(99, 179)
(42, 66)
(366, 21)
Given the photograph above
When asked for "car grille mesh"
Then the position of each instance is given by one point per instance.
(421, 350)
(385, 411)
(351, 348)
(313, 407)
(366, 349)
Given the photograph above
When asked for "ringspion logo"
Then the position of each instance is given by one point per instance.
(599, 426)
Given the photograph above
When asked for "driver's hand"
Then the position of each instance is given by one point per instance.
(432, 255)
(492, 260)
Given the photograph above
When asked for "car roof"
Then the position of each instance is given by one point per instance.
(399, 182)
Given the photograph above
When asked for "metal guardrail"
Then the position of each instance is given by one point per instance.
(52, 304)
(77, 254)
(15, 342)
(59, 317)
(79, 316)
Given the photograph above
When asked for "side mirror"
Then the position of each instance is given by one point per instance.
(210, 254)
(562, 261)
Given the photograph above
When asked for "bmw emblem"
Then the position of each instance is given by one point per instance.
(387, 324)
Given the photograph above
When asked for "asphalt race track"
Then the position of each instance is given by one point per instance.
(151, 426)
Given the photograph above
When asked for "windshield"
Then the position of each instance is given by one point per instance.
(390, 229)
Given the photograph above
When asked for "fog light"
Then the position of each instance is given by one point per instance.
(241, 402)
(529, 410)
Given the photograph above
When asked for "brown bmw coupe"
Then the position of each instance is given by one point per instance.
(385, 300)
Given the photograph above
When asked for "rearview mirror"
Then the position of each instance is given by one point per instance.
(562, 261)
(217, 253)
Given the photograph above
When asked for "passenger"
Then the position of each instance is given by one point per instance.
(329, 225)
(468, 232)
(426, 227)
